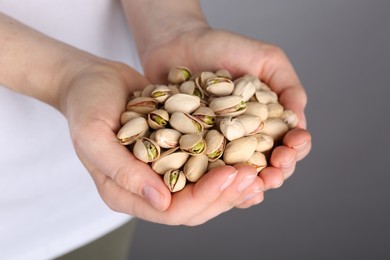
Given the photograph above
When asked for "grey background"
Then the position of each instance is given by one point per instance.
(336, 205)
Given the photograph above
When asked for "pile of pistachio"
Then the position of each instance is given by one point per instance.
(200, 121)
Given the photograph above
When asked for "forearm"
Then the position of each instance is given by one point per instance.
(154, 22)
(31, 63)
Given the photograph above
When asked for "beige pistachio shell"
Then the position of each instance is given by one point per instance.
(185, 123)
(158, 119)
(203, 76)
(215, 164)
(127, 115)
(137, 93)
(275, 128)
(290, 118)
(252, 124)
(255, 108)
(182, 103)
(205, 115)
(228, 106)
(275, 110)
(194, 144)
(189, 87)
(250, 78)
(223, 73)
(175, 180)
(215, 145)
(133, 129)
(161, 93)
(219, 86)
(147, 91)
(264, 142)
(258, 160)
(146, 150)
(142, 105)
(244, 88)
(167, 138)
(232, 128)
(240, 150)
(174, 89)
(196, 167)
(266, 96)
(178, 75)
(170, 159)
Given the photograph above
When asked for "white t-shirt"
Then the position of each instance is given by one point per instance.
(48, 202)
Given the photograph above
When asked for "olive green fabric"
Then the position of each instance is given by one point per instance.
(114, 246)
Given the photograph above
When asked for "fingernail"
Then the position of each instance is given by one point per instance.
(229, 180)
(300, 147)
(253, 194)
(287, 164)
(246, 182)
(152, 196)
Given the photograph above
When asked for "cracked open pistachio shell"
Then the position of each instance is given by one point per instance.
(289, 118)
(182, 103)
(174, 89)
(239, 150)
(252, 124)
(185, 123)
(232, 128)
(158, 119)
(147, 91)
(258, 160)
(215, 164)
(146, 150)
(189, 87)
(244, 88)
(275, 128)
(266, 96)
(167, 138)
(205, 115)
(161, 93)
(175, 180)
(264, 142)
(215, 145)
(219, 86)
(133, 129)
(142, 105)
(223, 73)
(170, 159)
(275, 110)
(137, 93)
(178, 75)
(127, 115)
(251, 78)
(194, 144)
(255, 108)
(195, 167)
(203, 76)
(228, 106)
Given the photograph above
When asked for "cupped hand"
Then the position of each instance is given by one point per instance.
(92, 100)
(205, 49)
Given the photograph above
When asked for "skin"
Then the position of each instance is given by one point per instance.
(78, 84)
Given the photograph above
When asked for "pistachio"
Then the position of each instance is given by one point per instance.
(170, 159)
(205, 75)
(190, 88)
(275, 110)
(178, 75)
(142, 105)
(258, 160)
(266, 96)
(205, 115)
(219, 86)
(146, 150)
(240, 150)
(133, 129)
(185, 123)
(215, 164)
(158, 119)
(289, 118)
(147, 91)
(250, 78)
(174, 89)
(275, 128)
(127, 115)
(252, 124)
(264, 142)
(161, 93)
(244, 88)
(182, 103)
(175, 180)
(195, 167)
(232, 128)
(215, 145)
(193, 144)
(257, 109)
(223, 73)
(167, 138)
(228, 106)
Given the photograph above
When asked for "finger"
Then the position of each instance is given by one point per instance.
(245, 184)
(101, 152)
(299, 140)
(272, 177)
(251, 199)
